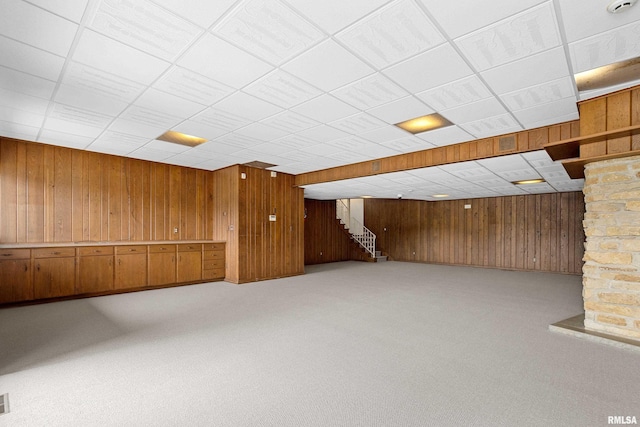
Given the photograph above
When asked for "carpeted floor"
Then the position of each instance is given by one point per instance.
(347, 344)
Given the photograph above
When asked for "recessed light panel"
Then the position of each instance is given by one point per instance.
(181, 138)
(424, 123)
(529, 181)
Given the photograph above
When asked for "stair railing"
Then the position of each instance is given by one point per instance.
(365, 237)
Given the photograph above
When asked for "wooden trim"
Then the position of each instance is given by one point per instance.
(570, 148)
(575, 167)
(524, 141)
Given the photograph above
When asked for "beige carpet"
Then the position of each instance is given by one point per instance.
(347, 344)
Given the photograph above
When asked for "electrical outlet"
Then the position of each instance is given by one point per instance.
(467, 206)
(175, 229)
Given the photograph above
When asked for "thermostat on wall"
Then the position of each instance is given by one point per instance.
(272, 217)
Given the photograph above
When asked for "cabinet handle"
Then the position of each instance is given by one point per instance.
(7, 254)
(163, 249)
(25, 267)
(38, 267)
(119, 261)
(55, 253)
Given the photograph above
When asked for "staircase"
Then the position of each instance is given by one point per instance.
(358, 233)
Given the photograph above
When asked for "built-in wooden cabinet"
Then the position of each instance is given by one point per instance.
(95, 269)
(189, 262)
(213, 260)
(54, 272)
(15, 275)
(37, 273)
(162, 264)
(130, 267)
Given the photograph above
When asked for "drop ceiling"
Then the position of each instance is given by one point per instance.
(307, 85)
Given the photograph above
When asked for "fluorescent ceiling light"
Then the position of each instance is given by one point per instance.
(440, 195)
(529, 181)
(424, 123)
(609, 75)
(181, 138)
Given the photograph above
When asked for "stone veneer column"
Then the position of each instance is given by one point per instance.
(611, 273)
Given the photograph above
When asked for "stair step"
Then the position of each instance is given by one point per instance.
(381, 258)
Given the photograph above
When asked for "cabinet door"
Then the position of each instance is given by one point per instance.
(189, 266)
(95, 274)
(54, 277)
(15, 280)
(162, 268)
(131, 271)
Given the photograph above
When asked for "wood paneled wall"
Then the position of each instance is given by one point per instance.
(323, 240)
(534, 232)
(269, 249)
(57, 194)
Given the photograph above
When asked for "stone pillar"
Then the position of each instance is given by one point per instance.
(611, 273)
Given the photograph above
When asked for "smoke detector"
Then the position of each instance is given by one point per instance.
(618, 6)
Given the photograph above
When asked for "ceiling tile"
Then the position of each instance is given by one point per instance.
(538, 159)
(358, 123)
(537, 188)
(298, 156)
(138, 128)
(268, 29)
(391, 34)
(220, 119)
(446, 136)
(22, 57)
(541, 94)
(487, 107)
(100, 83)
(201, 12)
(72, 127)
(117, 58)
(80, 116)
(240, 141)
(166, 146)
(513, 38)
(400, 110)
(492, 126)
(606, 48)
(204, 57)
(23, 102)
(463, 16)
(247, 106)
(166, 103)
(353, 143)
(504, 163)
(283, 89)
(323, 133)
(552, 121)
(552, 110)
(57, 38)
(89, 100)
(64, 139)
(333, 15)
(272, 148)
(149, 117)
(554, 174)
(145, 26)
(429, 69)
(325, 108)
(295, 142)
(25, 83)
(454, 94)
(370, 92)
(150, 154)
(290, 121)
(317, 66)
(407, 144)
(385, 134)
(192, 86)
(70, 9)
(21, 117)
(15, 130)
(261, 132)
(117, 143)
(585, 19)
(198, 129)
(529, 71)
(346, 157)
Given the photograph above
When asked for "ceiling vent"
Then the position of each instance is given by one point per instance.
(618, 6)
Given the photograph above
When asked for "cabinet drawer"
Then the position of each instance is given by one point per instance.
(154, 249)
(190, 247)
(216, 263)
(53, 252)
(15, 254)
(214, 246)
(95, 250)
(214, 255)
(138, 249)
(216, 273)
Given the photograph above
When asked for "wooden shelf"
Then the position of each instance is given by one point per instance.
(575, 167)
(570, 148)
